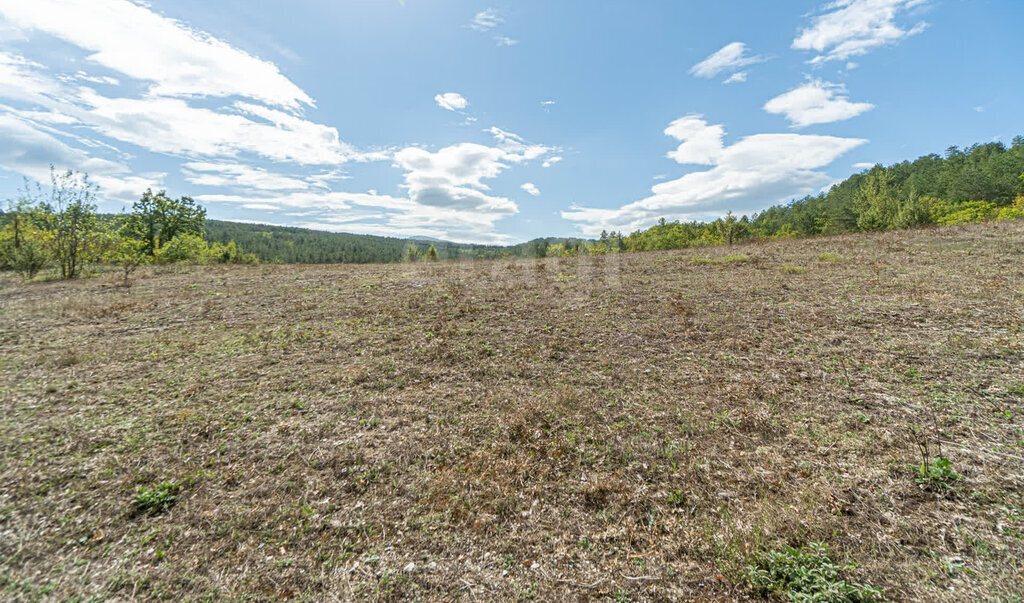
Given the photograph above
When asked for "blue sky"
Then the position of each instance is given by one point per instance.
(495, 122)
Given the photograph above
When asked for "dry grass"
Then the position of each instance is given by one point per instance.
(632, 427)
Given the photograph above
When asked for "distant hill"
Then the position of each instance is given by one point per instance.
(293, 245)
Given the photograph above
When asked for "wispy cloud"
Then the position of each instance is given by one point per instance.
(486, 20)
(848, 28)
(732, 57)
(177, 61)
(531, 189)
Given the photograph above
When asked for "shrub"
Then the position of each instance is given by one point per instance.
(1013, 212)
(969, 212)
(28, 258)
(129, 254)
(156, 498)
(806, 574)
(184, 248)
(830, 257)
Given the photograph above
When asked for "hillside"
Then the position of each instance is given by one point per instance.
(631, 426)
(292, 245)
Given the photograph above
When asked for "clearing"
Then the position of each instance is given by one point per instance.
(633, 426)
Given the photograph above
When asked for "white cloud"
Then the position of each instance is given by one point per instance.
(505, 41)
(548, 103)
(699, 143)
(135, 41)
(170, 125)
(732, 57)
(550, 161)
(486, 20)
(174, 67)
(451, 101)
(736, 78)
(30, 152)
(816, 102)
(452, 177)
(750, 174)
(863, 166)
(531, 189)
(239, 175)
(849, 28)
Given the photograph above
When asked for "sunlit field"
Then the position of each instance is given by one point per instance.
(649, 426)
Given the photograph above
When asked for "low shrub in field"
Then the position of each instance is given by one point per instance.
(830, 257)
(156, 498)
(807, 574)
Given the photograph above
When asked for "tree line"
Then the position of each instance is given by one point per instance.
(62, 229)
(979, 183)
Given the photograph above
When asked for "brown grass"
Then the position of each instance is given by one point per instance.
(629, 427)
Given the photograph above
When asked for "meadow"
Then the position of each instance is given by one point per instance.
(630, 427)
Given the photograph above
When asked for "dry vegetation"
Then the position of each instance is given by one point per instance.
(631, 427)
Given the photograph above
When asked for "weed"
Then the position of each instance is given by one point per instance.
(156, 498)
(937, 474)
(831, 257)
(807, 574)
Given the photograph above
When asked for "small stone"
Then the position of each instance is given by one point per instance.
(411, 568)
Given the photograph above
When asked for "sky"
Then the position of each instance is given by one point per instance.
(491, 122)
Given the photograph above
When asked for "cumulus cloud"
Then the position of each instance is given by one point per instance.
(550, 161)
(448, 195)
(531, 189)
(848, 28)
(451, 101)
(700, 143)
(732, 57)
(750, 174)
(816, 102)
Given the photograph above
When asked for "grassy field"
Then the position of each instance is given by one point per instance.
(630, 427)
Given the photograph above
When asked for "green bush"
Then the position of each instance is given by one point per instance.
(807, 574)
(968, 213)
(1013, 212)
(185, 248)
(28, 258)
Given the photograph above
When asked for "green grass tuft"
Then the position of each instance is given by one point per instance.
(807, 574)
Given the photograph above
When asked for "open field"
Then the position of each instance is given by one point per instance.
(630, 427)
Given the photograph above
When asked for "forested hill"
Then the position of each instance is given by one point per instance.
(979, 183)
(963, 185)
(292, 245)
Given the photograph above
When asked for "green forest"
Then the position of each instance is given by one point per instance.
(978, 183)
